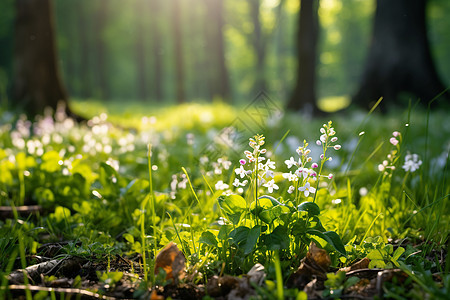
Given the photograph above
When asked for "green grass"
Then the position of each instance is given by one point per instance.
(94, 186)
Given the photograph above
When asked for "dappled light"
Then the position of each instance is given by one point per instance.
(224, 149)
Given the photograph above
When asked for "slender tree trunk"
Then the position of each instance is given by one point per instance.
(102, 72)
(179, 59)
(85, 52)
(140, 54)
(304, 94)
(399, 58)
(37, 82)
(216, 50)
(157, 49)
(258, 45)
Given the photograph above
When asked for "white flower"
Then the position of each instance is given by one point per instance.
(240, 171)
(289, 176)
(412, 163)
(237, 183)
(302, 171)
(290, 162)
(270, 185)
(291, 189)
(306, 189)
(220, 185)
(270, 173)
(270, 164)
(337, 147)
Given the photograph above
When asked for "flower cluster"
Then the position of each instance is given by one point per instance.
(412, 163)
(301, 177)
(261, 170)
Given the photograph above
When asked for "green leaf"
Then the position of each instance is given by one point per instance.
(208, 238)
(277, 239)
(377, 263)
(310, 207)
(351, 281)
(233, 206)
(239, 235)
(259, 205)
(397, 253)
(331, 237)
(252, 239)
(224, 231)
(271, 214)
(316, 224)
(375, 255)
(272, 199)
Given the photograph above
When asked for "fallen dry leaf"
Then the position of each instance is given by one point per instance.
(361, 264)
(171, 260)
(316, 263)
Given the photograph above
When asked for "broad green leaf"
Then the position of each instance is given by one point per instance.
(252, 239)
(128, 237)
(224, 232)
(272, 199)
(310, 207)
(208, 238)
(377, 263)
(261, 204)
(277, 239)
(316, 224)
(233, 206)
(271, 214)
(239, 235)
(397, 253)
(375, 255)
(331, 237)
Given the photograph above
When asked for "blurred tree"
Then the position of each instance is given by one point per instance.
(219, 80)
(36, 79)
(85, 51)
(258, 41)
(178, 44)
(100, 24)
(140, 53)
(399, 58)
(304, 94)
(155, 10)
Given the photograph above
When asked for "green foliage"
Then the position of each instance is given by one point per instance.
(92, 183)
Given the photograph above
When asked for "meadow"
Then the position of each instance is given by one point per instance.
(214, 201)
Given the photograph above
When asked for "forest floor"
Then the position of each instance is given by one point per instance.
(214, 211)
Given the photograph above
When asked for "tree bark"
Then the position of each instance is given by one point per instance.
(220, 85)
(304, 94)
(140, 54)
(157, 49)
(179, 59)
(259, 45)
(399, 58)
(102, 72)
(37, 82)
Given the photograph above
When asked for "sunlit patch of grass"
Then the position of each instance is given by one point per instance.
(138, 115)
(334, 103)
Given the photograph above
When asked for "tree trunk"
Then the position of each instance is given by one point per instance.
(140, 54)
(36, 83)
(304, 94)
(100, 24)
(399, 58)
(178, 44)
(259, 45)
(85, 52)
(157, 49)
(216, 50)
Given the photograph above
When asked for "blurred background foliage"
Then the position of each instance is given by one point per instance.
(116, 50)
